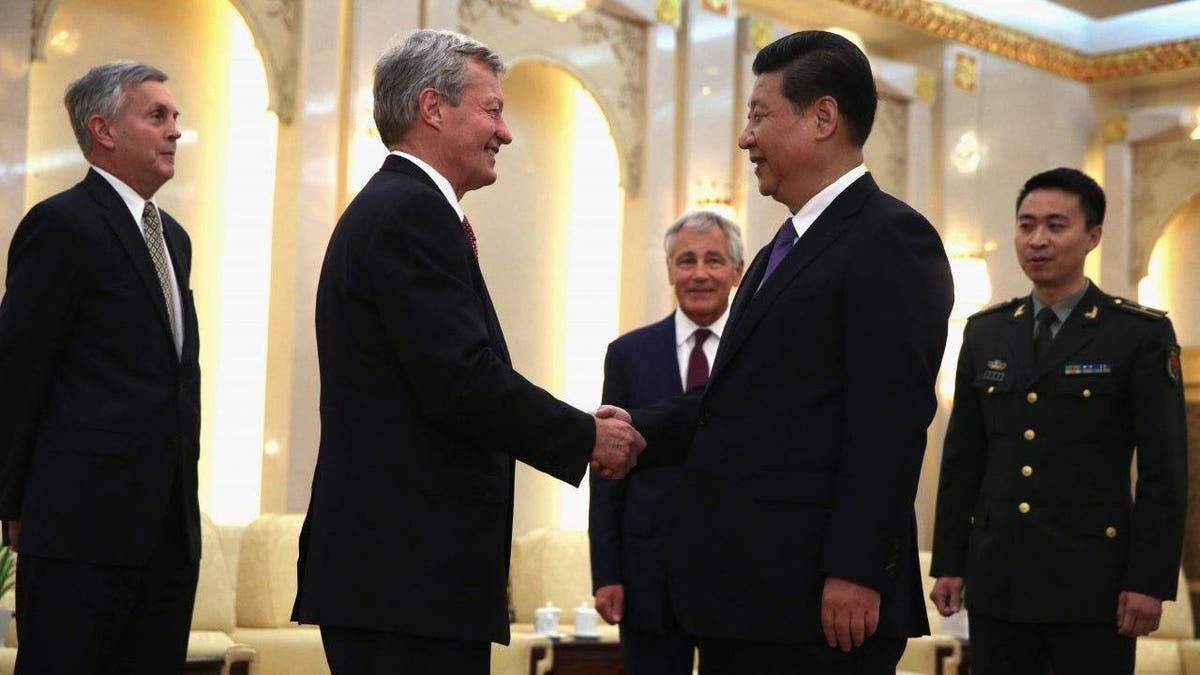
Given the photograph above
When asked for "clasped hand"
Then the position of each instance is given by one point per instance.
(618, 444)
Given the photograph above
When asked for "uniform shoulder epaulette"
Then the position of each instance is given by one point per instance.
(1140, 310)
(996, 307)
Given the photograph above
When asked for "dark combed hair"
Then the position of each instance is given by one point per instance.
(818, 63)
(1073, 181)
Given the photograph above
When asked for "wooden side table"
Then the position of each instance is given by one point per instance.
(581, 657)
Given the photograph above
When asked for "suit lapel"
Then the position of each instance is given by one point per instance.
(116, 215)
(663, 357)
(401, 165)
(826, 229)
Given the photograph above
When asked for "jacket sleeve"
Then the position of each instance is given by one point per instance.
(607, 495)
(896, 300)
(436, 322)
(41, 296)
(1160, 431)
(964, 459)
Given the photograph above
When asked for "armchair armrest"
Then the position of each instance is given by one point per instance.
(526, 654)
(931, 655)
(1189, 655)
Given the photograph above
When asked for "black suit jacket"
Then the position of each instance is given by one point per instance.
(628, 518)
(410, 521)
(99, 415)
(1058, 436)
(806, 445)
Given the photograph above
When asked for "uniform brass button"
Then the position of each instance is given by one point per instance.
(1110, 532)
(1087, 393)
(1031, 397)
(1023, 507)
(1117, 301)
(1027, 471)
(991, 389)
(1030, 434)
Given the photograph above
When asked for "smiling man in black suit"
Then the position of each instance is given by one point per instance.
(794, 546)
(100, 408)
(405, 548)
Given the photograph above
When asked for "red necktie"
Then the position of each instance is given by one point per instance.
(697, 372)
(471, 237)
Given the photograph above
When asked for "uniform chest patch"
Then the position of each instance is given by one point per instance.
(1173, 366)
(1087, 369)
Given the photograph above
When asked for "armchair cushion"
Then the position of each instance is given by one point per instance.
(267, 571)
(214, 607)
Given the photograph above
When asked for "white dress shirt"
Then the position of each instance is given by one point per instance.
(808, 214)
(438, 179)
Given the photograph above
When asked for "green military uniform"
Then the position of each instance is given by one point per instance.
(1034, 506)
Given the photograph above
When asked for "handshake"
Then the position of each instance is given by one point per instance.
(618, 444)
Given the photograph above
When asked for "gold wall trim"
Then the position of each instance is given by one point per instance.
(954, 24)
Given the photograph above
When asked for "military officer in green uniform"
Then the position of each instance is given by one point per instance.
(1061, 566)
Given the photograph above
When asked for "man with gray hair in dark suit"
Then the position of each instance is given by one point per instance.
(100, 412)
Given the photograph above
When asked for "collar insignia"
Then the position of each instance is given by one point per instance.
(1020, 311)
(1092, 313)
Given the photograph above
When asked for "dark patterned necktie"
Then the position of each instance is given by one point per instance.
(158, 255)
(1041, 341)
(466, 224)
(697, 371)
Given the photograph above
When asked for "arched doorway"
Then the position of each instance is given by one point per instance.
(1174, 277)
(222, 193)
(550, 245)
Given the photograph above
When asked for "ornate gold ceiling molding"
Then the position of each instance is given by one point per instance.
(954, 24)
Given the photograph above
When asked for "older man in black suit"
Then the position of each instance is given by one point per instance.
(404, 552)
(794, 548)
(100, 408)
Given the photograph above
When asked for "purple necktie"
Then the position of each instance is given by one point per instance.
(697, 371)
(785, 239)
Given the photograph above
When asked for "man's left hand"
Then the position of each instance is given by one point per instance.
(1137, 614)
(849, 613)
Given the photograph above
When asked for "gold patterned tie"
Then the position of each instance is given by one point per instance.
(158, 255)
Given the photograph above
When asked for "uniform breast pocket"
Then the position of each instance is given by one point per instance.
(994, 392)
(1091, 400)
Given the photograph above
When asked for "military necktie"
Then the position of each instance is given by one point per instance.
(1041, 341)
(158, 255)
(466, 225)
(697, 370)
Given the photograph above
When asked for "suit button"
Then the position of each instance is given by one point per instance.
(1027, 471)
(1031, 397)
(1030, 434)
(1023, 507)
(1110, 532)
(1087, 393)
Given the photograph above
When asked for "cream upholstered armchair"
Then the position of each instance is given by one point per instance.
(1172, 649)
(936, 654)
(548, 565)
(213, 614)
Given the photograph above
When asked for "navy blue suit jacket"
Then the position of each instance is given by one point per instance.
(628, 518)
(804, 450)
(99, 415)
(410, 522)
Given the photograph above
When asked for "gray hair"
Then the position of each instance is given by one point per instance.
(101, 91)
(702, 221)
(426, 59)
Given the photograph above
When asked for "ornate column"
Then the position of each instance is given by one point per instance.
(14, 110)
